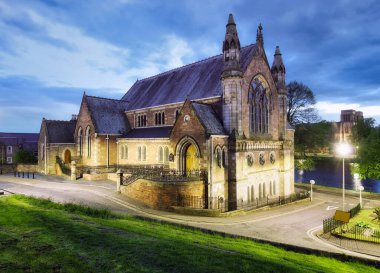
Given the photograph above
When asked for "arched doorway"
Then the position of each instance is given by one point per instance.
(188, 155)
(67, 157)
(191, 161)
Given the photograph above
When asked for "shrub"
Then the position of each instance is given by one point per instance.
(377, 213)
(362, 224)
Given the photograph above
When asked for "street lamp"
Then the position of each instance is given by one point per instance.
(343, 149)
(360, 188)
(312, 182)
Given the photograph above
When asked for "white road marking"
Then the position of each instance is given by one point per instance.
(331, 208)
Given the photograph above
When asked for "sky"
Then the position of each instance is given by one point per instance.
(52, 51)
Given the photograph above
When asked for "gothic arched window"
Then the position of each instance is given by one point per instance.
(259, 108)
(80, 141)
(88, 138)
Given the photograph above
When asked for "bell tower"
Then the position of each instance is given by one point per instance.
(232, 80)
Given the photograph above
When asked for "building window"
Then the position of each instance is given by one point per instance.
(166, 154)
(163, 154)
(160, 155)
(159, 118)
(224, 158)
(176, 113)
(9, 149)
(218, 157)
(42, 151)
(9, 160)
(259, 105)
(88, 138)
(124, 152)
(141, 153)
(80, 141)
(141, 120)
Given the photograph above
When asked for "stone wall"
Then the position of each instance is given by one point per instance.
(7, 168)
(162, 195)
(32, 168)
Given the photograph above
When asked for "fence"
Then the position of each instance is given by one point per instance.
(224, 205)
(163, 175)
(354, 232)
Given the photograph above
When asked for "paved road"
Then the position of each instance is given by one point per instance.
(294, 224)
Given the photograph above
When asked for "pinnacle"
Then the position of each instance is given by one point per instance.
(277, 52)
(231, 20)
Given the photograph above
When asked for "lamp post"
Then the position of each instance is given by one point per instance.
(343, 149)
(312, 182)
(360, 188)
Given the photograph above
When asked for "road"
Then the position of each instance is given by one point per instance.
(294, 224)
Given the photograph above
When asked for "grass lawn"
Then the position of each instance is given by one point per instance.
(38, 235)
(366, 216)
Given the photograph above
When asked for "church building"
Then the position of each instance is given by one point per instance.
(215, 129)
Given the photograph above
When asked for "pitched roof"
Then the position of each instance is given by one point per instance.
(194, 81)
(60, 131)
(108, 115)
(151, 132)
(209, 119)
(18, 138)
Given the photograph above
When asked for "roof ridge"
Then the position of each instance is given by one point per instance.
(105, 98)
(58, 120)
(181, 67)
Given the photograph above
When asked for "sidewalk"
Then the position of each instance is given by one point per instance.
(352, 245)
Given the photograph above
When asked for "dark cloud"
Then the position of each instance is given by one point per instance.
(332, 46)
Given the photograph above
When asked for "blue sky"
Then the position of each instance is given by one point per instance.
(51, 51)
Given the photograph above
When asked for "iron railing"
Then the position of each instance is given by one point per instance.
(163, 175)
(200, 202)
(66, 170)
(354, 232)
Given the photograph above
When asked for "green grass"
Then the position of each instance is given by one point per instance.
(38, 235)
(366, 216)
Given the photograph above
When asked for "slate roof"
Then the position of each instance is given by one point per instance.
(209, 119)
(151, 132)
(194, 81)
(60, 131)
(108, 115)
(14, 139)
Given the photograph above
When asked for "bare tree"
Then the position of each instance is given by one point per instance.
(300, 104)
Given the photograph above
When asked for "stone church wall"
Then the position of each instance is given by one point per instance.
(162, 195)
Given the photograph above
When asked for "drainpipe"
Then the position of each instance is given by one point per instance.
(211, 164)
(108, 152)
(117, 154)
(45, 154)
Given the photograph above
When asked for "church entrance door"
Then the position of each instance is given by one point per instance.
(67, 157)
(191, 162)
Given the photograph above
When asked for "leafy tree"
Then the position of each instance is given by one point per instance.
(312, 137)
(300, 104)
(24, 157)
(368, 156)
(362, 129)
(305, 164)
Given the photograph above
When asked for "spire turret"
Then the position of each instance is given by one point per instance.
(231, 49)
(259, 36)
(278, 70)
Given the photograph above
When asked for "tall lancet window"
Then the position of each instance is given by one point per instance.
(80, 141)
(259, 107)
(88, 138)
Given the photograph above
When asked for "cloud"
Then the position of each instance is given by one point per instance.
(332, 109)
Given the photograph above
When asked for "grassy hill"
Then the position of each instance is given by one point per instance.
(38, 235)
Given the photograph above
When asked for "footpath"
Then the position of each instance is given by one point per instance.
(106, 189)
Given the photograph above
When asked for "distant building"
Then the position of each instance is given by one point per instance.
(343, 128)
(10, 143)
